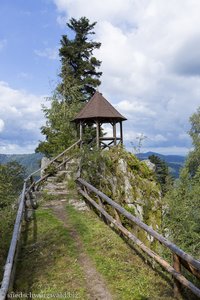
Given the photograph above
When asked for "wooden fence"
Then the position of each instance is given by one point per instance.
(179, 256)
(29, 187)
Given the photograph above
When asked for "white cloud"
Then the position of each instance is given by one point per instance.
(3, 44)
(158, 138)
(97, 10)
(12, 148)
(150, 63)
(134, 107)
(20, 119)
(50, 53)
(151, 71)
(61, 20)
(2, 124)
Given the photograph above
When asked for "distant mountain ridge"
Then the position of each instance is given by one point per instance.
(31, 162)
(175, 162)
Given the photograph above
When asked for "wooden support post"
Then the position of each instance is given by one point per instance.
(117, 217)
(121, 132)
(114, 133)
(81, 134)
(32, 200)
(99, 201)
(81, 131)
(101, 205)
(98, 134)
(177, 267)
(32, 183)
(175, 271)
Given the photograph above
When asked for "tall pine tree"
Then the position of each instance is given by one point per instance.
(163, 176)
(79, 80)
(77, 58)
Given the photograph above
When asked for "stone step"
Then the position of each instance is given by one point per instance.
(51, 178)
(37, 194)
(60, 184)
(61, 172)
(55, 186)
(57, 193)
(78, 204)
(65, 175)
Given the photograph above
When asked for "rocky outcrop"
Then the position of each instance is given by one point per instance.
(128, 181)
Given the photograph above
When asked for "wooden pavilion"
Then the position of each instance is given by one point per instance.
(99, 111)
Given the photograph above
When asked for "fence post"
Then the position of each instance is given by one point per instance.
(177, 267)
(32, 181)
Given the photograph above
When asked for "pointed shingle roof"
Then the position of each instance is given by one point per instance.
(99, 108)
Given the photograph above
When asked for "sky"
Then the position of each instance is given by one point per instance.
(150, 63)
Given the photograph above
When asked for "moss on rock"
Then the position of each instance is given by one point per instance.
(129, 182)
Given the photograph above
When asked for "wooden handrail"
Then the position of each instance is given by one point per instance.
(13, 245)
(195, 263)
(35, 183)
(8, 272)
(187, 260)
(54, 159)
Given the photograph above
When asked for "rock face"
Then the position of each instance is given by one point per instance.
(44, 163)
(131, 183)
(149, 164)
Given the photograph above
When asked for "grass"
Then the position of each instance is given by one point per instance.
(127, 275)
(7, 220)
(48, 261)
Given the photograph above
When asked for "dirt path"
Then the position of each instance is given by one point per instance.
(96, 286)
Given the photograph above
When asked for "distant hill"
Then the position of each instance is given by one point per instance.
(175, 162)
(31, 162)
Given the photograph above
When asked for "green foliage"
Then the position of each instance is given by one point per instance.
(174, 162)
(60, 132)
(128, 276)
(182, 215)
(193, 161)
(7, 217)
(61, 252)
(11, 182)
(31, 162)
(91, 164)
(126, 180)
(103, 168)
(49, 261)
(163, 176)
(50, 170)
(181, 218)
(71, 184)
(79, 79)
(77, 58)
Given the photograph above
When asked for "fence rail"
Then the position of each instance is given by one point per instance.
(179, 256)
(29, 187)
